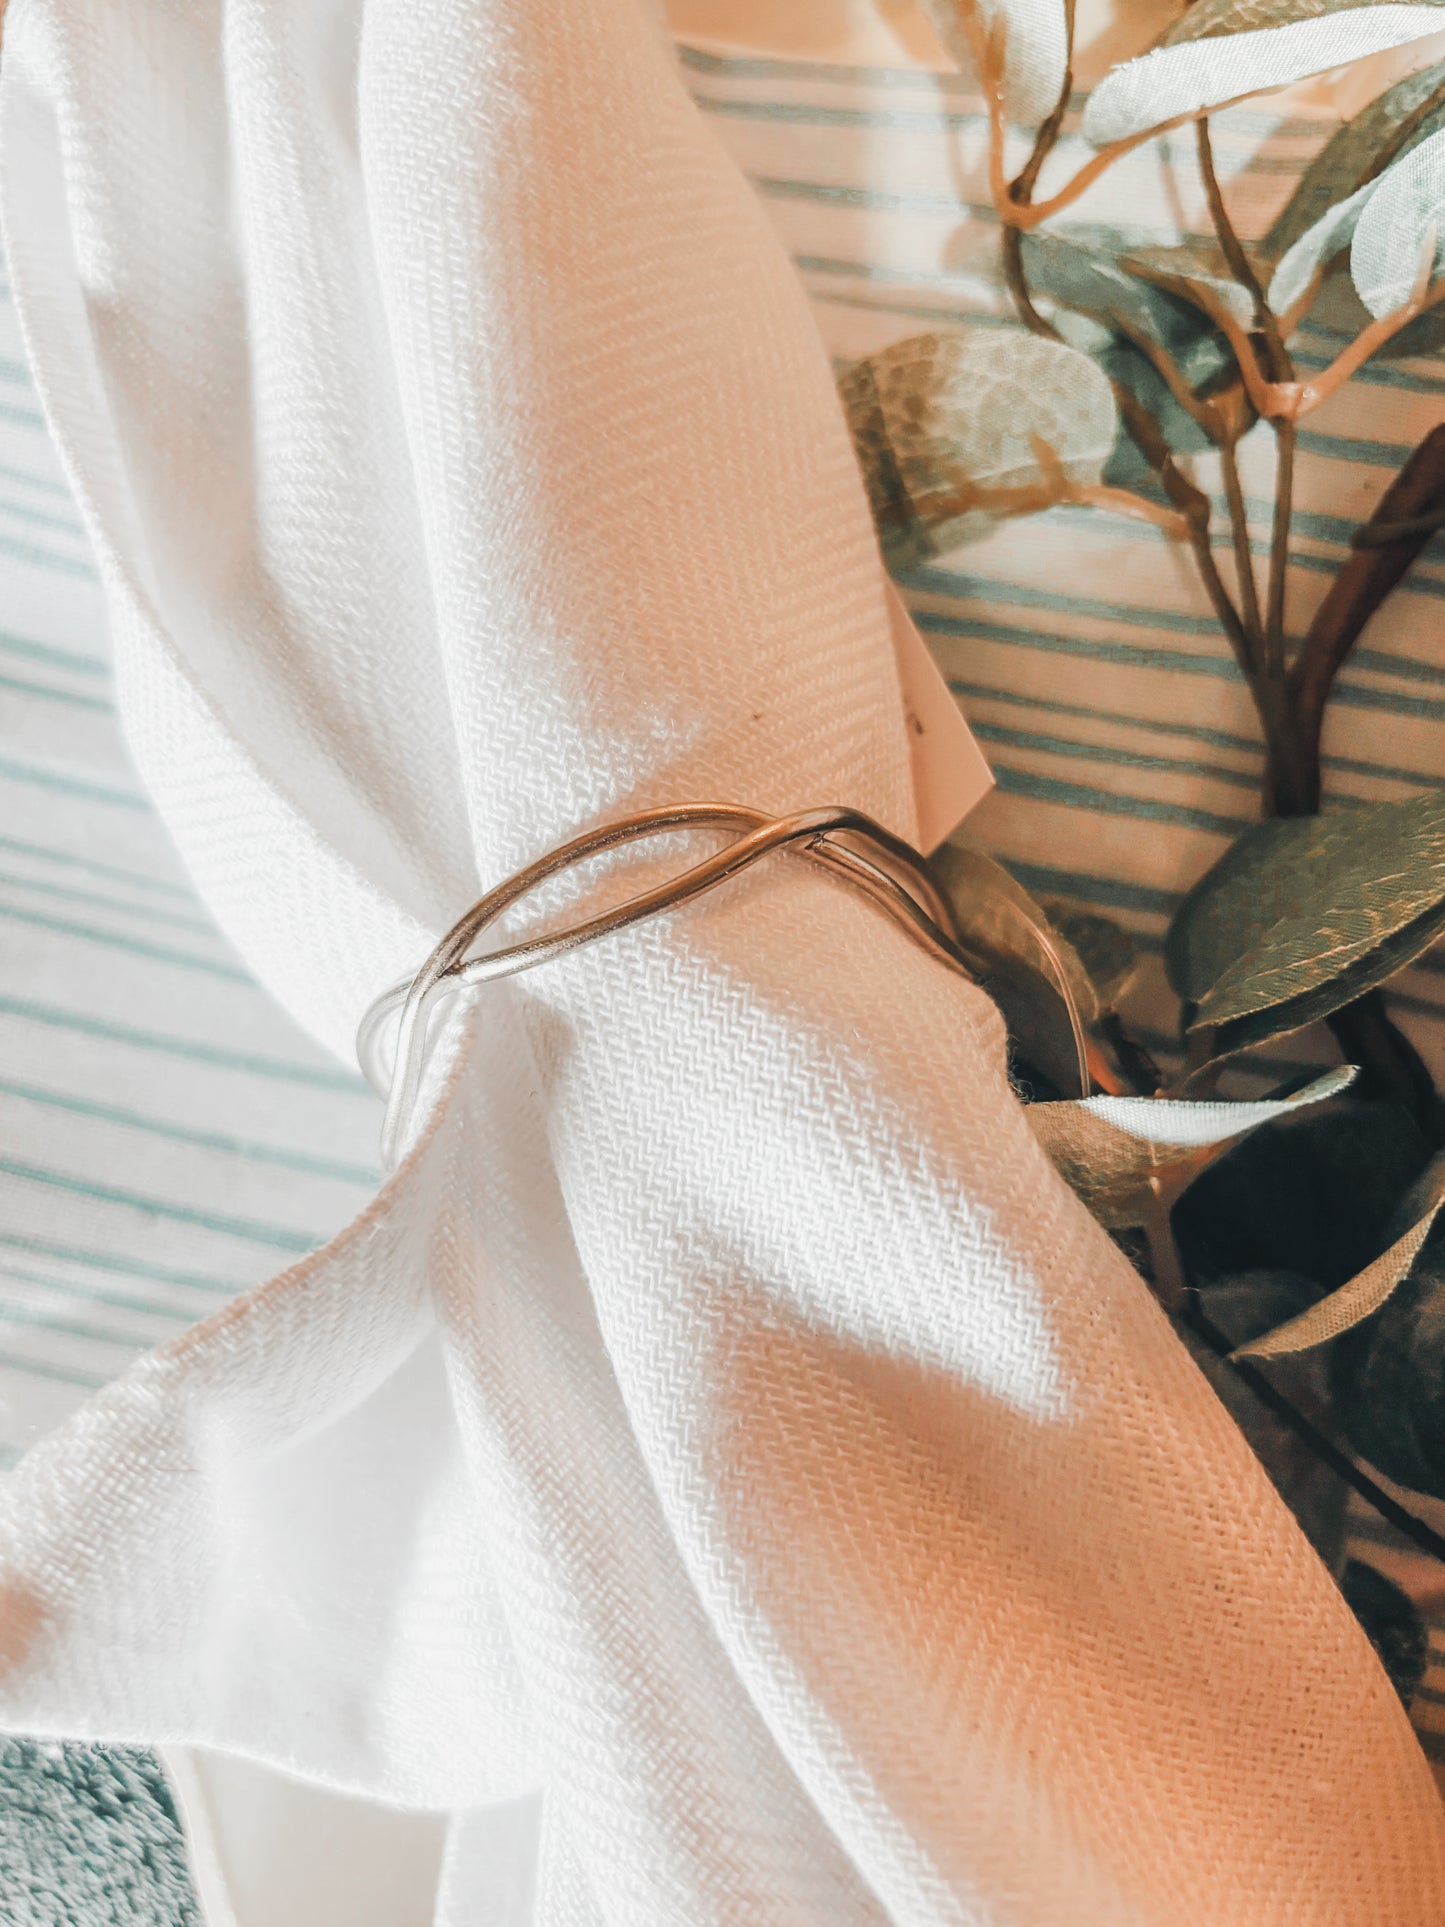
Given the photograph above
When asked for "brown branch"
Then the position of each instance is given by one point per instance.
(1171, 374)
(1309, 1434)
(1022, 190)
(1015, 207)
(1016, 280)
(1285, 436)
(1239, 530)
(1281, 368)
(1368, 575)
(1379, 535)
(1372, 338)
(1100, 495)
(1389, 1063)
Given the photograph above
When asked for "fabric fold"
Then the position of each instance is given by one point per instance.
(723, 1442)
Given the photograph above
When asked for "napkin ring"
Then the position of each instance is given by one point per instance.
(885, 868)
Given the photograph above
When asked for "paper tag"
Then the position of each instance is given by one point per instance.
(950, 775)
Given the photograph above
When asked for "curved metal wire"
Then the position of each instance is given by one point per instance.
(892, 873)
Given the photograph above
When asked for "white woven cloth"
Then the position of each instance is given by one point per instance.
(724, 1469)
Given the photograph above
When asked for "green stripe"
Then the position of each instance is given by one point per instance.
(195, 1052)
(1354, 695)
(47, 652)
(47, 779)
(912, 310)
(45, 483)
(252, 1230)
(93, 1294)
(802, 114)
(771, 68)
(22, 417)
(358, 1174)
(874, 199)
(961, 584)
(68, 1328)
(1051, 705)
(900, 277)
(1346, 692)
(1053, 789)
(1355, 448)
(1114, 755)
(1129, 655)
(19, 847)
(760, 67)
(133, 946)
(127, 1267)
(68, 895)
(24, 513)
(36, 558)
(1197, 732)
(1109, 893)
(38, 1368)
(48, 693)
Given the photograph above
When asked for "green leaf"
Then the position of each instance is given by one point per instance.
(1214, 19)
(1392, 1623)
(945, 426)
(1088, 280)
(1389, 1380)
(1092, 281)
(1030, 970)
(1363, 897)
(1239, 1308)
(1131, 301)
(1315, 249)
(1403, 217)
(1106, 950)
(1234, 903)
(1316, 1191)
(1178, 82)
(1356, 153)
(1195, 272)
(1036, 47)
(1123, 1156)
(1363, 1295)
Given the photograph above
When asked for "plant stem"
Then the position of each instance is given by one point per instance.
(1243, 554)
(1410, 507)
(1012, 249)
(1285, 436)
(1319, 1443)
(1281, 368)
(1390, 1064)
(1022, 189)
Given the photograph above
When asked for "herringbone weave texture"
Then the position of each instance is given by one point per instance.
(724, 1424)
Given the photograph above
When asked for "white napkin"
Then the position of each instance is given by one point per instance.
(724, 1468)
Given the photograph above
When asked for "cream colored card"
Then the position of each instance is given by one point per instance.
(950, 774)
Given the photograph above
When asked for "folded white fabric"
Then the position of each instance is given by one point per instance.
(724, 1468)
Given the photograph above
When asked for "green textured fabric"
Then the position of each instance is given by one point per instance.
(89, 1838)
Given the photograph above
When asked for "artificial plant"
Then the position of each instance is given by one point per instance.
(1324, 1281)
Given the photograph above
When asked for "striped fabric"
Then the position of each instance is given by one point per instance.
(167, 1137)
(1080, 644)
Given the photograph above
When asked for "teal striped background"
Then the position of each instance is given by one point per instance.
(1079, 644)
(166, 1137)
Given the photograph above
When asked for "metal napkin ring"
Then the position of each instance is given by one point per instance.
(893, 874)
